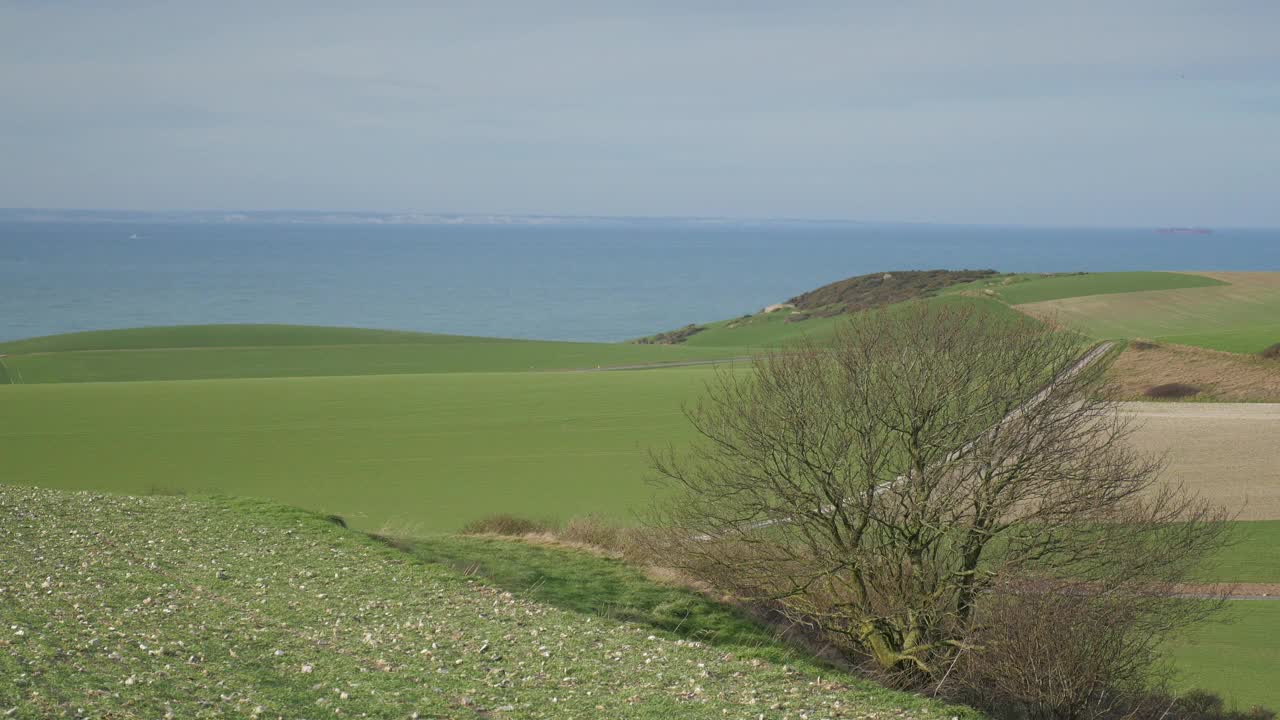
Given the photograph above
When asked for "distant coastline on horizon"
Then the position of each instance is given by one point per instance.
(359, 217)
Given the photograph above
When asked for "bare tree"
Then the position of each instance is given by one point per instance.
(884, 487)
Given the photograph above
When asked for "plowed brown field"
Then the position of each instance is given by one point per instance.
(1227, 452)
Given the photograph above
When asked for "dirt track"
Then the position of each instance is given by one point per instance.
(1227, 452)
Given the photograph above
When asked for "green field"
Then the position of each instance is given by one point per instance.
(265, 351)
(426, 452)
(1236, 655)
(174, 607)
(1020, 289)
(1240, 315)
(1253, 555)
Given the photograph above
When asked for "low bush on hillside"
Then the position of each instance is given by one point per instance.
(1271, 353)
(875, 290)
(509, 525)
(672, 337)
(596, 532)
(1204, 705)
(591, 531)
(1170, 391)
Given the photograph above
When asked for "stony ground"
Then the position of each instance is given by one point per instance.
(154, 607)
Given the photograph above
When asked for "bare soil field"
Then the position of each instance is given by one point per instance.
(1227, 452)
(1219, 375)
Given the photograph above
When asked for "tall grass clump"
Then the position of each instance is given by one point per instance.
(504, 524)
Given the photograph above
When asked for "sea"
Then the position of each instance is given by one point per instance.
(590, 283)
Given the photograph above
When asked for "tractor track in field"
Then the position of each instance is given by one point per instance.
(660, 365)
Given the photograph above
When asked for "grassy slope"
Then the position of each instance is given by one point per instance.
(596, 585)
(193, 336)
(259, 351)
(773, 329)
(1234, 655)
(423, 452)
(1240, 316)
(1022, 289)
(138, 607)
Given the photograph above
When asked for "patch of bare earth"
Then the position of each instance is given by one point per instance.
(1239, 591)
(1229, 453)
(1218, 375)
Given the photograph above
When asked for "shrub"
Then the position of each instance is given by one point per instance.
(633, 543)
(1201, 705)
(1271, 353)
(505, 525)
(1172, 390)
(883, 486)
(672, 337)
(592, 530)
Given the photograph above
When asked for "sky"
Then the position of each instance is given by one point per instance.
(1141, 112)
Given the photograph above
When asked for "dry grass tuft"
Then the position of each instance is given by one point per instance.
(1221, 376)
(508, 525)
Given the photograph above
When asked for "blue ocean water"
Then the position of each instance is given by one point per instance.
(569, 283)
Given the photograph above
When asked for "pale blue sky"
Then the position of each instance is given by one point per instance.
(1131, 112)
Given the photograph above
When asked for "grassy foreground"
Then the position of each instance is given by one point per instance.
(171, 607)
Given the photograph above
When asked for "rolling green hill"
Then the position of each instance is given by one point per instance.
(264, 351)
(226, 336)
(1235, 312)
(174, 607)
(1023, 288)
(779, 327)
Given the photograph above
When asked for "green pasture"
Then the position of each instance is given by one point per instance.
(418, 453)
(1245, 340)
(1236, 655)
(266, 351)
(1019, 289)
(246, 335)
(1241, 316)
(340, 360)
(1252, 555)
